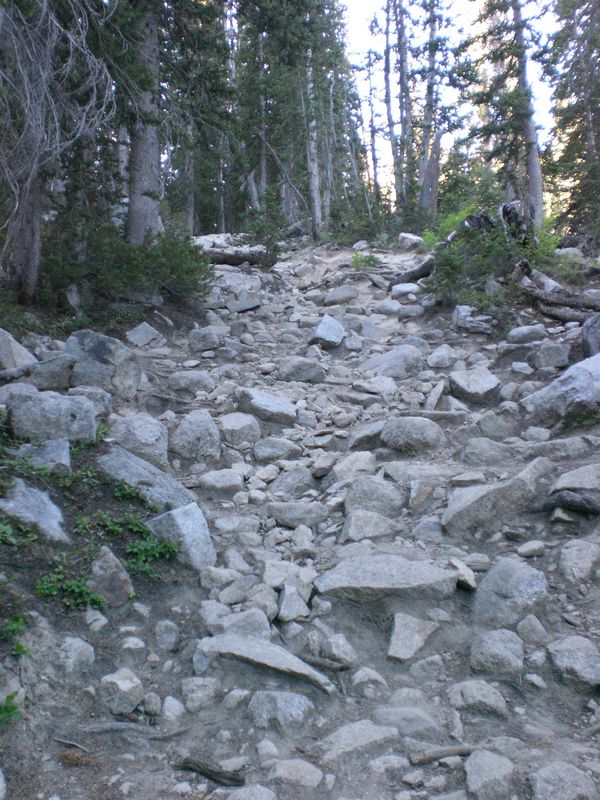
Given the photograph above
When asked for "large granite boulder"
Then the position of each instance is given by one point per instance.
(105, 362)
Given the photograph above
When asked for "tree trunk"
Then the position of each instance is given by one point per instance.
(534, 199)
(312, 153)
(262, 104)
(373, 130)
(26, 251)
(143, 217)
(387, 69)
(405, 150)
(429, 111)
(428, 197)
(189, 212)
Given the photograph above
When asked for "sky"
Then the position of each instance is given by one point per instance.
(359, 14)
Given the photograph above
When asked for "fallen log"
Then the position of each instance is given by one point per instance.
(422, 270)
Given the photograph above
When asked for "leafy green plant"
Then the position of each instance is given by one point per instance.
(19, 650)
(86, 477)
(11, 628)
(125, 491)
(7, 533)
(73, 592)
(364, 261)
(110, 524)
(144, 553)
(9, 710)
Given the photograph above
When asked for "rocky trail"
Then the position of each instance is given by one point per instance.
(387, 584)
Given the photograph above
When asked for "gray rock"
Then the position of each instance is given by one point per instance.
(76, 655)
(34, 507)
(288, 711)
(298, 512)
(509, 591)
(121, 692)
(442, 357)
(488, 775)
(196, 436)
(253, 623)
(144, 436)
(554, 355)
(267, 407)
(477, 696)
(400, 362)
(562, 781)
(576, 658)
(412, 434)
(53, 455)
(159, 488)
(13, 354)
(590, 336)
(143, 335)
(203, 339)
(100, 399)
(191, 381)
(110, 579)
(473, 507)
(167, 634)
(362, 524)
(246, 301)
(410, 720)
(374, 577)
(409, 242)
(253, 792)
(294, 482)
(499, 651)
(340, 295)
(578, 558)
(526, 334)
(53, 372)
(274, 449)
(238, 429)
(297, 772)
(477, 385)
(48, 415)
(3, 787)
(375, 494)
(304, 370)
(187, 527)
(105, 362)
(221, 483)
(356, 736)
(573, 396)
(409, 635)
(328, 333)
(199, 693)
(263, 654)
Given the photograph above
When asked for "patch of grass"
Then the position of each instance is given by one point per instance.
(9, 710)
(73, 592)
(86, 477)
(126, 492)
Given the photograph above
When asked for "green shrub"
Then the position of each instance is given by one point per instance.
(9, 710)
(364, 261)
(115, 268)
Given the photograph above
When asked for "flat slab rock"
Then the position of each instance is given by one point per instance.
(367, 578)
(409, 636)
(357, 736)
(34, 507)
(264, 654)
(156, 486)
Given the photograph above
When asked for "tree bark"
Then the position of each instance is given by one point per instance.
(189, 211)
(312, 153)
(391, 126)
(262, 104)
(429, 110)
(534, 200)
(26, 252)
(406, 120)
(428, 196)
(143, 217)
(373, 129)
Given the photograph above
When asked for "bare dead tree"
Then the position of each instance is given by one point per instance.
(54, 90)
